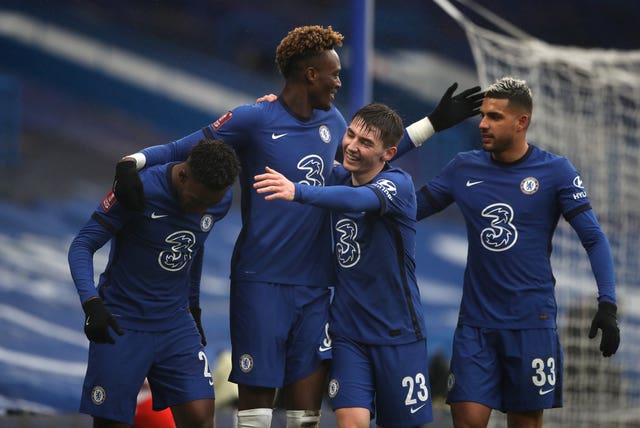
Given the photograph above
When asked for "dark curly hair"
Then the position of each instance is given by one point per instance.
(302, 43)
(214, 164)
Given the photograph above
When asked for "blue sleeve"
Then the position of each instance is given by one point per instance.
(338, 198)
(196, 275)
(437, 194)
(405, 145)
(427, 204)
(89, 240)
(175, 151)
(597, 246)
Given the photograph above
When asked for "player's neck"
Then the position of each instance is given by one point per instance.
(362, 178)
(513, 154)
(296, 102)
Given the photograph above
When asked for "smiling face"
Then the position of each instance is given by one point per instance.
(324, 75)
(364, 151)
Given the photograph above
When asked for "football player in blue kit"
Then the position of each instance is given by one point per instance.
(282, 268)
(380, 362)
(140, 318)
(506, 350)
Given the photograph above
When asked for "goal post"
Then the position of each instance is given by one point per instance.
(587, 108)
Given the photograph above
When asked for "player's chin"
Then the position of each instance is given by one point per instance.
(327, 103)
(348, 165)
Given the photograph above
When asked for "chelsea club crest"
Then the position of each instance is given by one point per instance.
(206, 222)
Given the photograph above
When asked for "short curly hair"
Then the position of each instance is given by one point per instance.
(213, 164)
(302, 43)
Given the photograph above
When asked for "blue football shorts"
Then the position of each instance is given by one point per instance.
(173, 361)
(391, 381)
(279, 332)
(508, 370)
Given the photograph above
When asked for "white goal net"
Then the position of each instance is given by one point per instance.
(587, 108)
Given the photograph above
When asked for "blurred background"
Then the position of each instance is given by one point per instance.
(83, 83)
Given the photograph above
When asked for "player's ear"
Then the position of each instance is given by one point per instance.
(389, 153)
(310, 73)
(523, 121)
(183, 174)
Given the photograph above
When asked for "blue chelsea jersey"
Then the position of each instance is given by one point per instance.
(146, 283)
(511, 212)
(377, 300)
(279, 242)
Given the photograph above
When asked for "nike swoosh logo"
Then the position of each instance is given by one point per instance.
(473, 183)
(417, 408)
(154, 215)
(275, 136)
(543, 391)
(87, 321)
(323, 348)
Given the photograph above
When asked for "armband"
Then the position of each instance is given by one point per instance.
(420, 131)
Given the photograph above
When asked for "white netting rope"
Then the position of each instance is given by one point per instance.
(587, 108)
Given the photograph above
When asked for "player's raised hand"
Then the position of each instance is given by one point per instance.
(275, 184)
(97, 322)
(127, 186)
(453, 109)
(605, 320)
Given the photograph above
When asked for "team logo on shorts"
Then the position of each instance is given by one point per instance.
(206, 222)
(246, 363)
(325, 134)
(451, 380)
(334, 386)
(98, 395)
(529, 185)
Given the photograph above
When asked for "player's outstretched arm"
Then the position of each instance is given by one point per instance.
(451, 110)
(275, 184)
(127, 186)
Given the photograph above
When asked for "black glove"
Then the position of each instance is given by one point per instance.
(97, 322)
(196, 312)
(605, 319)
(127, 186)
(453, 110)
